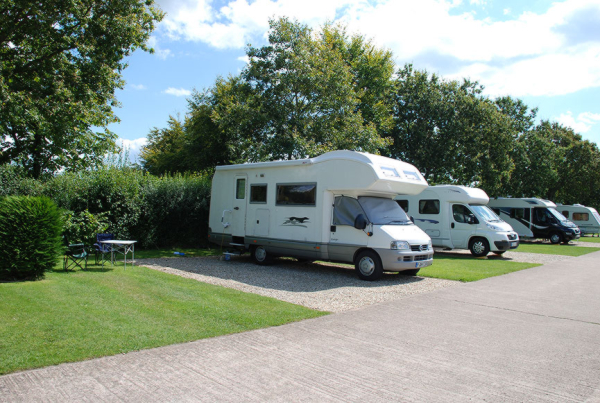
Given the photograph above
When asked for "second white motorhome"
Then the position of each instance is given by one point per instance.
(586, 218)
(337, 207)
(456, 217)
(535, 218)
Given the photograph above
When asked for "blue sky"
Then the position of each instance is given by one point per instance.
(545, 53)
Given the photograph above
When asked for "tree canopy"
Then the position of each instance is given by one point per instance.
(308, 92)
(60, 64)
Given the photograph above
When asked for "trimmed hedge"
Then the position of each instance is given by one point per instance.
(30, 237)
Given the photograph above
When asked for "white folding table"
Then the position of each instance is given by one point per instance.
(120, 246)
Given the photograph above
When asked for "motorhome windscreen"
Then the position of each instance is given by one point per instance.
(557, 215)
(345, 210)
(383, 211)
(485, 213)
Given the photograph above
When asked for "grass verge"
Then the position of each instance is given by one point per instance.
(86, 314)
(589, 239)
(467, 269)
(550, 249)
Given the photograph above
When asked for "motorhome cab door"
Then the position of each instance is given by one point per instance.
(462, 223)
(238, 214)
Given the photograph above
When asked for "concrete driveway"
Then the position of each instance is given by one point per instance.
(529, 336)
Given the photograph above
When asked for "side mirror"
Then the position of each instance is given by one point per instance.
(472, 220)
(360, 222)
(412, 219)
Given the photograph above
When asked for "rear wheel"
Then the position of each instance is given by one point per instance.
(260, 256)
(368, 265)
(556, 237)
(479, 247)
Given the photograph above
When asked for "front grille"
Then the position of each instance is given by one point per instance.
(417, 258)
(419, 248)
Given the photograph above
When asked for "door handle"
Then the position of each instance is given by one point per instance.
(236, 208)
(452, 225)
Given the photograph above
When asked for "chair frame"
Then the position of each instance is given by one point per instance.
(74, 255)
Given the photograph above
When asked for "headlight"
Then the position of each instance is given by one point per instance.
(493, 227)
(429, 245)
(400, 245)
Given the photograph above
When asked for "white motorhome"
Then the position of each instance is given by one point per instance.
(586, 218)
(336, 207)
(457, 217)
(535, 218)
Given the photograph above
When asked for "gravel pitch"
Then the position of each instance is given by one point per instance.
(322, 286)
(326, 287)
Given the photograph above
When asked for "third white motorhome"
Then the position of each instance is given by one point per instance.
(535, 218)
(338, 206)
(456, 217)
(586, 218)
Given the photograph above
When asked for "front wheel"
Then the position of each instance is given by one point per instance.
(260, 256)
(368, 265)
(555, 237)
(479, 247)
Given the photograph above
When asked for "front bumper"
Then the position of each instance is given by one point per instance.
(400, 260)
(506, 245)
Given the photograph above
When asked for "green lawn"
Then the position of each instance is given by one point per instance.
(85, 314)
(468, 269)
(156, 253)
(550, 249)
(589, 239)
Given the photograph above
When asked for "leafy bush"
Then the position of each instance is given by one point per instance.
(82, 227)
(176, 211)
(14, 182)
(30, 237)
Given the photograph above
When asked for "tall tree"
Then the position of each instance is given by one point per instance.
(448, 130)
(60, 64)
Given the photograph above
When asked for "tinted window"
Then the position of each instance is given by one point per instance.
(240, 189)
(566, 213)
(461, 214)
(302, 194)
(429, 206)
(258, 193)
(581, 216)
(403, 204)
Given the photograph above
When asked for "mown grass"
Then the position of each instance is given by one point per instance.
(467, 269)
(170, 252)
(79, 315)
(550, 249)
(589, 239)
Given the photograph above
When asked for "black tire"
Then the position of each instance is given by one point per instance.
(556, 237)
(500, 252)
(412, 272)
(260, 256)
(479, 247)
(368, 265)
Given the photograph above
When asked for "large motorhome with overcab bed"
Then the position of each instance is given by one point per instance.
(586, 218)
(337, 207)
(457, 217)
(535, 218)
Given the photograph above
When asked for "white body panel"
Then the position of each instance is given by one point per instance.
(443, 212)
(586, 218)
(306, 230)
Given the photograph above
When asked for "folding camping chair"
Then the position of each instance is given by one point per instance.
(100, 248)
(74, 255)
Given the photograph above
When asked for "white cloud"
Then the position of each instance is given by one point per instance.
(529, 54)
(582, 123)
(158, 51)
(178, 92)
(133, 147)
(137, 87)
